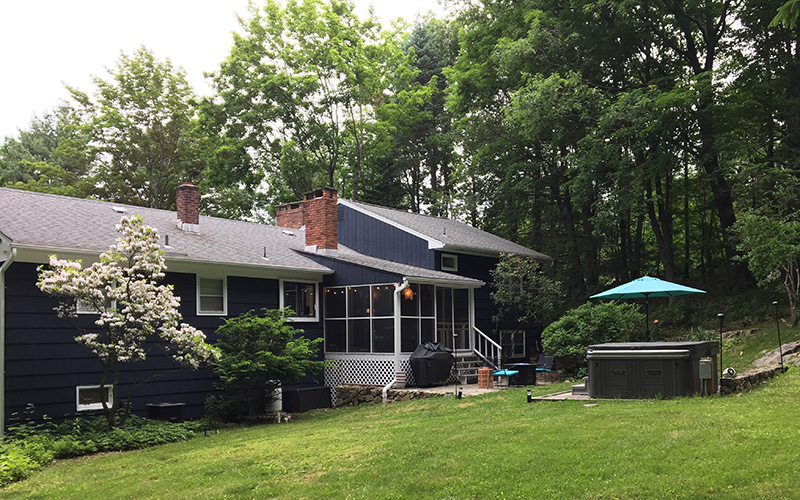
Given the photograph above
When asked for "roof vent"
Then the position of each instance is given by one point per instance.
(119, 210)
(288, 233)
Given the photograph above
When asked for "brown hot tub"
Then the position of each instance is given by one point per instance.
(629, 370)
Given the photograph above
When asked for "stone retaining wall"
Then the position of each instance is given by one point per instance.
(743, 382)
(354, 395)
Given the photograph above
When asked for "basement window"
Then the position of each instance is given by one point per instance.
(449, 262)
(91, 397)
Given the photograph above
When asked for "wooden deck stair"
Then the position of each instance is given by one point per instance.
(467, 369)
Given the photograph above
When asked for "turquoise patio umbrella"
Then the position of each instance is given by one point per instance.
(646, 287)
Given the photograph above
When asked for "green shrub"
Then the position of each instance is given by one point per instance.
(570, 335)
(32, 445)
(258, 354)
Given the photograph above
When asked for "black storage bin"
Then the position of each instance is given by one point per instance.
(431, 364)
(306, 398)
(649, 369)
(172, 412)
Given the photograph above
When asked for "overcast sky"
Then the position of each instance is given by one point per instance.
(47, 43)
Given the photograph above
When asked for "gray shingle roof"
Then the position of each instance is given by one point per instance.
(59, 222)
(452, 234)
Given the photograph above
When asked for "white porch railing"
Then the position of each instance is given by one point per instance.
(487, 349)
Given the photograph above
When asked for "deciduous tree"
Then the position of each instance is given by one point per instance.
(133, 308)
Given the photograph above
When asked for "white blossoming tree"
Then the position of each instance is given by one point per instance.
(123, 287)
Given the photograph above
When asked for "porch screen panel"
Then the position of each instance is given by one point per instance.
(444, 316)
(358, 301)
(335, 303)
(427, 330)
(359, 335)
(383, 335)
(409, 301)
(461, 317)
(409, 337)
(426, 301)
(418, 322)
(336, 335)
(383, 300)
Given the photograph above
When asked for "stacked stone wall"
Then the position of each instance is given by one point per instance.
(743, 382)
(354, 395)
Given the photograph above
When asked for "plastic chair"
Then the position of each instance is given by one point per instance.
(545, 365)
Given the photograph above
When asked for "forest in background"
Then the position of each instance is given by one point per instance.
(620, 138)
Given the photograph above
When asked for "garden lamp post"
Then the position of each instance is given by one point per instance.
(721, 318)
(778, 326)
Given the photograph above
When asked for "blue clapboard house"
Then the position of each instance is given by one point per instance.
(373, 282)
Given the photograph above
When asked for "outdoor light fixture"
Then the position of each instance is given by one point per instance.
(529, 396)
(459, 393)
(721, 318)
(780, 345)
(408, 293)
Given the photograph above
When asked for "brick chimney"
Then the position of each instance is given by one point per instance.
(321, 218)
(290, 215)
(188, 203)
(318, 212)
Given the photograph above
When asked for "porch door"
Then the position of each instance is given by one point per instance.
(452, 317)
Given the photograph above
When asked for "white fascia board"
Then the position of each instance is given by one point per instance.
(433, 243)
(491, 253)
(445, 281)
(176, 264)
(5, 247)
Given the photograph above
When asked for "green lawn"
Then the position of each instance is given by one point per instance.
(492, 446)
(741, 351)
(489, 446)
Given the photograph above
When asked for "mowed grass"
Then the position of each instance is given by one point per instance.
(490, 446)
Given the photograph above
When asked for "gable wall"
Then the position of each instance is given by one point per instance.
(44, 364)
(372, 237)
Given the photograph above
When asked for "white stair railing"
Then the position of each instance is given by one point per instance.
(487, 349)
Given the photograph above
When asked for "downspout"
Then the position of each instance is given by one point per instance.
(3, 268)
(397, 323)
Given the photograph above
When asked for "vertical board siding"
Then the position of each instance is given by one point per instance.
(372, 237)
(44, 364)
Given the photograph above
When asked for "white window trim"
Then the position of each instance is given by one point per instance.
(455, 260)
(224, 311)
(93, 406)
(87, 311)
(302, 319)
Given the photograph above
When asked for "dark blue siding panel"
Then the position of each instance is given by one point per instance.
(44, 364)
(352, 274)
(370, 236)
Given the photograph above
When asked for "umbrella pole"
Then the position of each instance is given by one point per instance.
(647, 318)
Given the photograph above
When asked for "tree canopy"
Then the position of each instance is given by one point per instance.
(620, 139)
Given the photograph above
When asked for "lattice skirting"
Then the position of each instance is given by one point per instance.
(379, 371)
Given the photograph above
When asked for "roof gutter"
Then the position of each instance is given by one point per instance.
(11, 256)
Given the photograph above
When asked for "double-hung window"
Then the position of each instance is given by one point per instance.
(212, 296)
(302, 298)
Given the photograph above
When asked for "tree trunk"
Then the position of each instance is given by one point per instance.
(661, 224)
